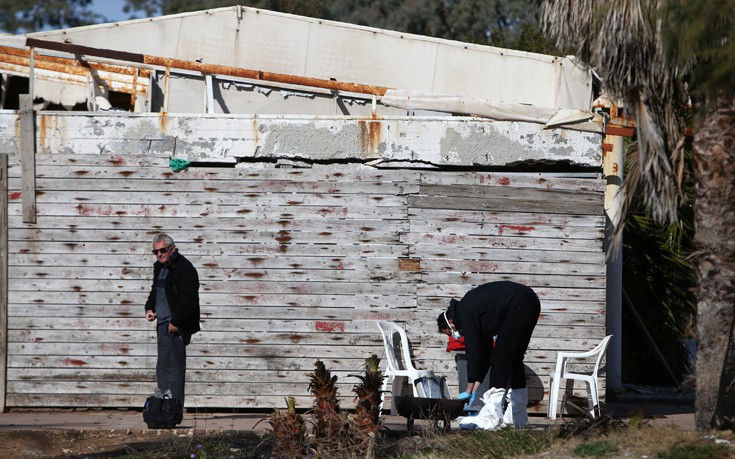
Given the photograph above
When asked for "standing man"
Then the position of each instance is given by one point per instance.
(496, 320)
(174, 304)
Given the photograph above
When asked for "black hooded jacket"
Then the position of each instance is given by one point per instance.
(479, 315)
(182, 294)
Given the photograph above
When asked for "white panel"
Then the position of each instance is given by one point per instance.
(380, 58)
(282, 43)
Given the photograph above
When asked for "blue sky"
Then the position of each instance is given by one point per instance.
(112, 9)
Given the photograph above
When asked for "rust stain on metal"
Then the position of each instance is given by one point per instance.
(124, 78)
(369, 135)
(74, 362)
(42, 130)
(137, 58)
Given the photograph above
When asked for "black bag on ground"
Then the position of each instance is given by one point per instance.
(162, 413)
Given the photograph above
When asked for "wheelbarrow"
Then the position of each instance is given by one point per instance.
(436, 409)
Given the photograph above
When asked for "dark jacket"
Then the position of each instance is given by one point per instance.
(479, 316)
(182, 293)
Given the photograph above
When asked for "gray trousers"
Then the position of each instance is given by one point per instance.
(171, 363)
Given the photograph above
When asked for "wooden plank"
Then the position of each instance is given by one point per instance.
(351, 308)
(108, 293)
(88, 182)
(436, 254)
(253, 200)
(72, 209)
(28, 157)
(323, 265)
(439, 251)
(524, 202)
(284, 236)
(4, 273)
(506, 242)
(451, 217)
(323, 325)
(225, 226)
(512, 180)
(192, 249)
(438, 295)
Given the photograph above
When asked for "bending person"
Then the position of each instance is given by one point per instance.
(496, 320)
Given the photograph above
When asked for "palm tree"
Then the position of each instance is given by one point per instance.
(653, 55)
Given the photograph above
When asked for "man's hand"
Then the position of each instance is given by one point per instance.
(150, 315)
(172, 328)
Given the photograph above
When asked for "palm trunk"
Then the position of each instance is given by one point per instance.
(714, 219)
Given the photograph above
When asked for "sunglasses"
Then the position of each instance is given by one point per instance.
(161, 250)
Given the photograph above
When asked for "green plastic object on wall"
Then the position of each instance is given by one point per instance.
(177, 165)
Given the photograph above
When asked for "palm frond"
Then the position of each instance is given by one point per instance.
(622, 40)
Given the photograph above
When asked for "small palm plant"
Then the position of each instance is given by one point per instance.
(289, 432)
(367, 421)
(327, 419)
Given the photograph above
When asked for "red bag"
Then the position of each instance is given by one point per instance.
(455, 344)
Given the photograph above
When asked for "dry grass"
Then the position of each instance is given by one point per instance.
(606, 438)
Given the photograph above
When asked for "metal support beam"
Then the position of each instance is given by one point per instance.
(209, 102)
(28, 157)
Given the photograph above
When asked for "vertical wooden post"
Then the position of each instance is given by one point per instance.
(28, 157)
(3, 277)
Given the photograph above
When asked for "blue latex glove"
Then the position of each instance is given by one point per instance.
(472, 399)
(463, 396)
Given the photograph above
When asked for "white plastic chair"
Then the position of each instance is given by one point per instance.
(399, 364)
(590, 378)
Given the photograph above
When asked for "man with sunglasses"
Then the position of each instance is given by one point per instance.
(174, 304)
(496, 320)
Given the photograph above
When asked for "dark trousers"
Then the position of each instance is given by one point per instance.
(461, 360)
(171, 363)
(515, 334)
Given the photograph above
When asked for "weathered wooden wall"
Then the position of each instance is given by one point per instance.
(296, 265)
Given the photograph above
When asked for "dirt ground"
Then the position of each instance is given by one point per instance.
(122, 434)
(114, 444)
